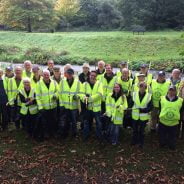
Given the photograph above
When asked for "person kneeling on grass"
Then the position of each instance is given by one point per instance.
(116, 104)
(142, 105)
(171, 107)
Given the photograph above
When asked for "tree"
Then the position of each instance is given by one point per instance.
(109, 16)
(67, 8)
(27, 14)
(90, 10)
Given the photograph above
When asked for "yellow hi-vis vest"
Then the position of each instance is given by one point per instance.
(115, 109)
(32, 109)
(148, 78)
(119, 73)
(46, 98)
(12, 90)
(107, 87)
(126, 85)
(136, 115)
(96, 95)
(170, 111)
(135, 88)
(158, 90)
(66, 94)
(24, 75)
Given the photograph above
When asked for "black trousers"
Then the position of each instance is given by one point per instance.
(30, 122)
(138, 132)
(4, 116)
(67, 121)
(167, 135)
(48, 122)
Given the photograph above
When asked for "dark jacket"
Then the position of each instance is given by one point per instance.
(84, 78)
(3, 95)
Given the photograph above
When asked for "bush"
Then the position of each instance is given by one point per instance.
(37, 55)
(4, 49)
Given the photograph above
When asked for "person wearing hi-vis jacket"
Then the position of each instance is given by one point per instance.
(116, 104)
(28, 107)
(171, 107)
(46, 98)
(91, 96)
(141, 107)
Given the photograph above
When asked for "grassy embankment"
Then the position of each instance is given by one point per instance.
(163, 49)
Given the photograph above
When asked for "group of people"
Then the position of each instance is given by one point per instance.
(50, 103)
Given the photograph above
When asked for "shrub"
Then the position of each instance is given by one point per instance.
(38, 55)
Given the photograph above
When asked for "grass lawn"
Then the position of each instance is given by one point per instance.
(74, 161)
(92, 46)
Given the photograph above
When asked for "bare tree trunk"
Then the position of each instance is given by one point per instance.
(29, 26)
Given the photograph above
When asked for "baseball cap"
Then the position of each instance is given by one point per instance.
(161, 73)
(172, 87)
(70, 71)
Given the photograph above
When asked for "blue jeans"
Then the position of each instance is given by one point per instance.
(114, 133)
(88, 124)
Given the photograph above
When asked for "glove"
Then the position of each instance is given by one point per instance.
(88, 95)
(54, 98)
(75, 97)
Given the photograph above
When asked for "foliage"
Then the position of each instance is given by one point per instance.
(27, 15)
(88, 14)
(74, 161)
(67, 8)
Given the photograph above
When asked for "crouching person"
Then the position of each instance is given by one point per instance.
(91, 96)
(170, 114)
(28, 109)
(141, 108)
(116, 104)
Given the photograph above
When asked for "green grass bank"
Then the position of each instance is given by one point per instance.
(164, 49)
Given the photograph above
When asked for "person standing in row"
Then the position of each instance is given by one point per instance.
(91, 96)
(141, 108)
(69, 91)
(101, 69)
(171, 110)
(175, 79)
(84, 76)
(14, 85)
(159, 87)
(36, 76)
(108, 80)
(46, 98)
(3, 103)
(28, 107)
(57, 74)
(144, 69)
(27, 72)
(50, 66)
(123, 65)
(116, 104)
